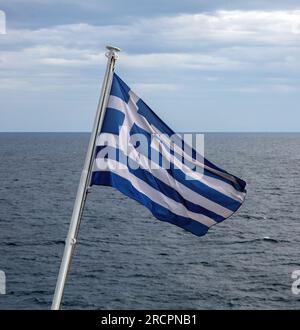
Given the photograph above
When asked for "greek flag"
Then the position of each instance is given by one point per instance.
(138, 154)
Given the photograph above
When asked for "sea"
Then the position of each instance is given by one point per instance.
(127, 259)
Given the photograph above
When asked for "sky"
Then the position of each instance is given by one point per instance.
(220, 66)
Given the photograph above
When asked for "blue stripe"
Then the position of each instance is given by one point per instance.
(195, 185)
(113, 119)
(234, 181)
(124, 186)
(119, 88)
(152, 118)
(159, 185)
(138, 130)
(198, 169)
(204, 190)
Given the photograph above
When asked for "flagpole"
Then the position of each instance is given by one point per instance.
(84, 181)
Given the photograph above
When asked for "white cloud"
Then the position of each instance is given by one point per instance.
(216, 41)
(243, 27)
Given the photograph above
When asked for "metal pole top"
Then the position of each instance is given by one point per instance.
(112, 48)
(112, 51)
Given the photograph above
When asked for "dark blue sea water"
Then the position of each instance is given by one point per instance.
(127, 259)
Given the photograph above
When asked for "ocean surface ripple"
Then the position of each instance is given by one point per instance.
(127, 259)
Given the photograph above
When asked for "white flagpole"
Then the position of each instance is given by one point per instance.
(84, 181)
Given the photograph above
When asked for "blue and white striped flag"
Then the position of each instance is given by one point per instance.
(138, 154)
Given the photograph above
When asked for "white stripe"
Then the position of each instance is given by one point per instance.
(188, 194)
(182, 153)
(131, 109)
(132, 117)
(156, 196)
(133, 97)
(216, 184)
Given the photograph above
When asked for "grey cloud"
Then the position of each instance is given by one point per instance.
(205, 55)
(42, 13)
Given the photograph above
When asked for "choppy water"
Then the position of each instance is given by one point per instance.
(127, 259)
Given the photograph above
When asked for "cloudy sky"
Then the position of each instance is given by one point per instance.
(201, 65)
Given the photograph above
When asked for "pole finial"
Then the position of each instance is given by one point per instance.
(112, 51)
(113, 48)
